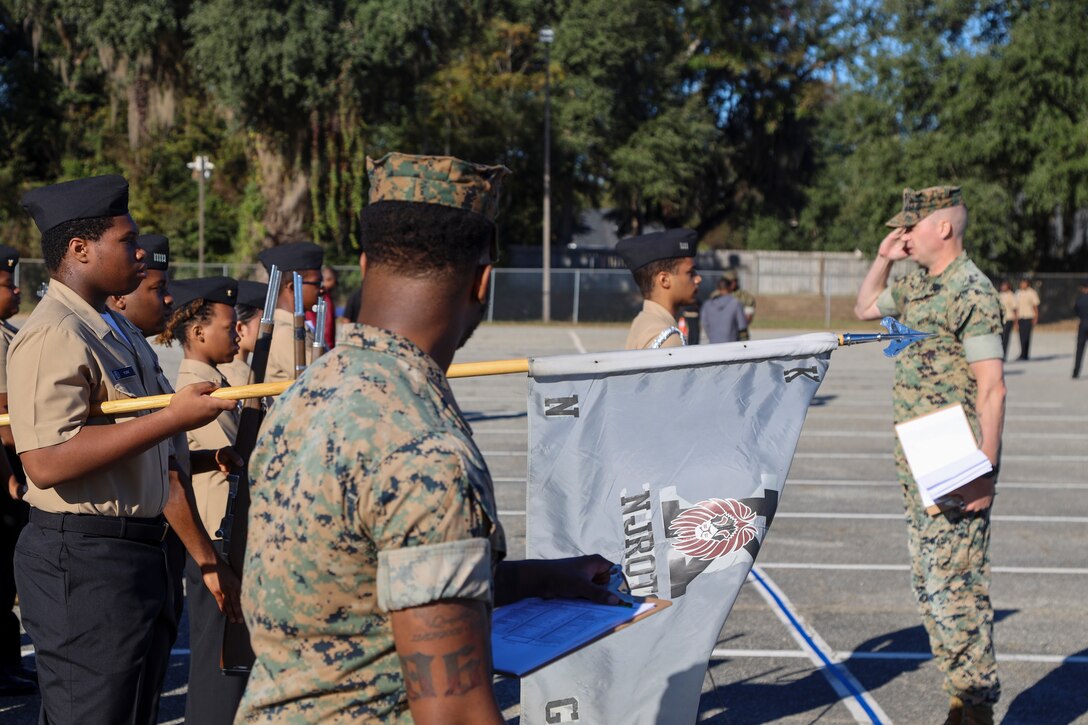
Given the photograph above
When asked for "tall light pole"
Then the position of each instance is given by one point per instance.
(202, 171)
(547, 36)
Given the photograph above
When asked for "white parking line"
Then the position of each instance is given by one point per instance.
(721, 653)
(577, 341)
(1059, 570)
(1005, 458)
(825, 411)
(884, 483)
(899, 517)
(869, 483)
(890, 434)
(894, 517)
(841, 455)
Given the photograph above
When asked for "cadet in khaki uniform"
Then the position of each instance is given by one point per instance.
(89, 565)
(373, 553)
(664, 269)
(146, 309)
(961, 363)
(14, 678)
(306, 259)
(251, 296)
(1027, 315)
(203, 322)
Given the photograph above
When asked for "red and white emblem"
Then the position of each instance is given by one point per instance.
(713, 528)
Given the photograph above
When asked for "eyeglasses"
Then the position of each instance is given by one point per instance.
(315, 284)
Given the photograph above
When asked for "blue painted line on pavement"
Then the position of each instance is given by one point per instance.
(832, 666)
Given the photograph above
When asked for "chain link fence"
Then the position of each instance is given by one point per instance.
(821, 286)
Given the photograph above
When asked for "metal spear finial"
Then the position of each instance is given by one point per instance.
(898, 336)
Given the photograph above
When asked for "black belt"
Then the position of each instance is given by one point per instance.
(118, 527)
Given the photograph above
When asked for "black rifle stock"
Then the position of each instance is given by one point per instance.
(237, 653)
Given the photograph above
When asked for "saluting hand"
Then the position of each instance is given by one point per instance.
(225, 586)
(193, 407)
(892, 247)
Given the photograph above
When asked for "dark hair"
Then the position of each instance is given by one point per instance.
(198, 311)
(246, 312)
(644, 276)
(424, 240)
(55, 241)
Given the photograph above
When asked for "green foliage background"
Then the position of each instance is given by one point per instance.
(788, 124)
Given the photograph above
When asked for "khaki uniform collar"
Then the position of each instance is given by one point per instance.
(201, 369)
(91, 317)
(652, 308)
(281, 315)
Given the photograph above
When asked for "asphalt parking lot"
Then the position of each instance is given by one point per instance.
(834, 567)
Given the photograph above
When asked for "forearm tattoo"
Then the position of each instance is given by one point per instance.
(454, 671)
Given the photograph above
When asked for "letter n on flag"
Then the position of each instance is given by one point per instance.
(672, 462)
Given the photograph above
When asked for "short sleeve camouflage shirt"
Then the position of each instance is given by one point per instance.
(962, 308)
(369, 496)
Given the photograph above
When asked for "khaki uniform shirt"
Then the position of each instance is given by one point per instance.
(1027, 301)
(211, 488)
(179, 449)
(369, 496)
(651, 323)
(1008, 304)
(962, 308)
(64, 359)
(7, 334)
(236, 372)
(281, 356)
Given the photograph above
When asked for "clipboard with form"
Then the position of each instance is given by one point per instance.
(531, 633)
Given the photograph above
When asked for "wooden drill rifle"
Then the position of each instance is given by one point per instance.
(237, 653)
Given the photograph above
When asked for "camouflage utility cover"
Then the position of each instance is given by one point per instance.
(441, 180)
(369, 496)
(917, 205)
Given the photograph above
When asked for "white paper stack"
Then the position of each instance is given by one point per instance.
(942, 452)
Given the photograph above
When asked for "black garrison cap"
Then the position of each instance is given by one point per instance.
(9, 257)
(293, 257)
(97, 196)
(210, 289)
(156, 250)
(252, 293)
(637, 252)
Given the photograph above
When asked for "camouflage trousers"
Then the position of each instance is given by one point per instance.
(950, 575)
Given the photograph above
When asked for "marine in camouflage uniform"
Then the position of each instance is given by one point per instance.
(950, 564)
(419, 525)
(372, 508)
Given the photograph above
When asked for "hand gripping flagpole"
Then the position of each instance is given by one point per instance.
(898, 336)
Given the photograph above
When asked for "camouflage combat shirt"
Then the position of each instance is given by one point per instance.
(369, 496)
(959, 305)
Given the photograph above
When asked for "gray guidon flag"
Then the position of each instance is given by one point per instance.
(670, 462)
